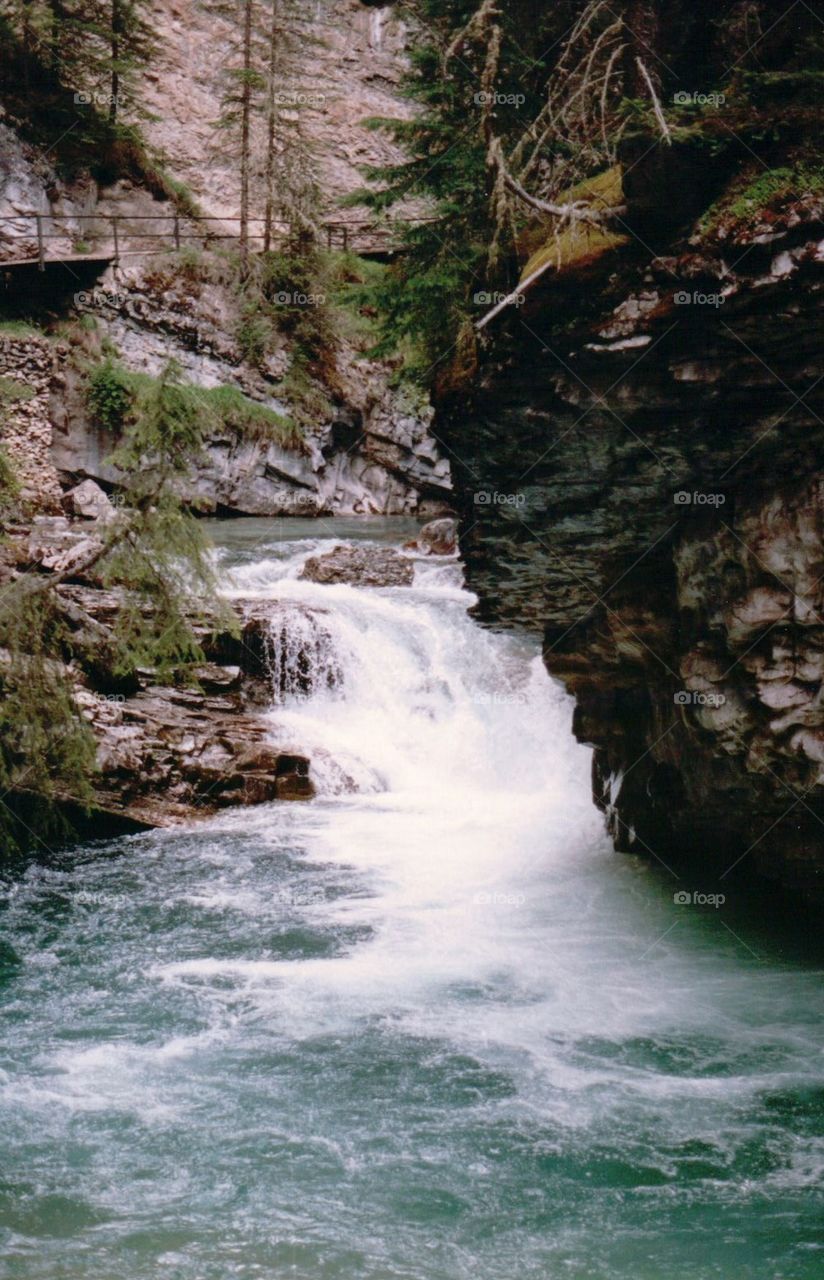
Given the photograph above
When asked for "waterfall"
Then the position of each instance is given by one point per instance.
(300, 655)
(427, 1026)
(405, 691)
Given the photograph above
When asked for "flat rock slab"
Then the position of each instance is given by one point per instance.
(361, 567)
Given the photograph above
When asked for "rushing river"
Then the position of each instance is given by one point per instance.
(432, 1028)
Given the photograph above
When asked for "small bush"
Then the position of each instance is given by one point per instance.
(19, 329)
(253, 334)
(110, 395)
(8, 480)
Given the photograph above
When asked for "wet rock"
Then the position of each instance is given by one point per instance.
(58, 547)
(361, 566)
(283, 649)
(215, 679)
(292, 781)
(438, 538)
(167, 756)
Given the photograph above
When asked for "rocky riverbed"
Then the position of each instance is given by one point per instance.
(173, 752)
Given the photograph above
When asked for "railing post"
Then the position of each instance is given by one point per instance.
(116, 240)
(329, 235)
(345, 237)
(177, 230)
(41, 255)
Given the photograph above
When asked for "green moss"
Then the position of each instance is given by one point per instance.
(11, 391)
(19, 329)
(758, 192)
(580, 244)
(115, 397)
(777, 185)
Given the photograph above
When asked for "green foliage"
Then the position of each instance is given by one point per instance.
(253, 332)
(110, 395)
(159, 552)
(776, 185)
(45, 745)
(565, 110)
(12, 392)
(286, 294)
(156, 554)
(119, 398)
(9, 487)
(427, 296)
(251, 420)
(759, 192)
(350, 283)
(19, 329)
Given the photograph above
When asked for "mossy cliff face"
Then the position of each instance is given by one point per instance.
(642, 470)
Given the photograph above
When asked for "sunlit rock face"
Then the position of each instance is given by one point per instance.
(645, 490)
(346, 67)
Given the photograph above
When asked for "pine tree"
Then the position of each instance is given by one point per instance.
(154, 553)
(131, 44)
(92, 47)
(241, 100)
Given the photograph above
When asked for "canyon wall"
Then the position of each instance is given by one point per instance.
(641, 471)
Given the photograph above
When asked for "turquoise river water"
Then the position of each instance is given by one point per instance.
(427, 1026)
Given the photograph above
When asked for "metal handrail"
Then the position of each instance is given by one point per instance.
(345, 228)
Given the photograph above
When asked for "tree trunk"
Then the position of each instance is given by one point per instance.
(245, 131)
(642, 21)
(271, 122)
(115, 58)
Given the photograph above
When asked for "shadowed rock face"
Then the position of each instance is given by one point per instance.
(648, 495)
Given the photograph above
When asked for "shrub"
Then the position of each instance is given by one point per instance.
(110, 395)
(117, 397)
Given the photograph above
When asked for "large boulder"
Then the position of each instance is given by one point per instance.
(438, 538)
(362, 566)
(89, 502)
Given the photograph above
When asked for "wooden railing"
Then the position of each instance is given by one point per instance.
(177, 230)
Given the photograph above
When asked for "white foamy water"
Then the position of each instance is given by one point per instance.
(427, 1026)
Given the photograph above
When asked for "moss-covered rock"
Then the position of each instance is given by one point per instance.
(580, 245)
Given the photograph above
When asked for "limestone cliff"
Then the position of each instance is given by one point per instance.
(366, 444)
(641, 471)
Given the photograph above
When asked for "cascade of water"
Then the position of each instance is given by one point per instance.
(300, 655)
(426, 1027)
